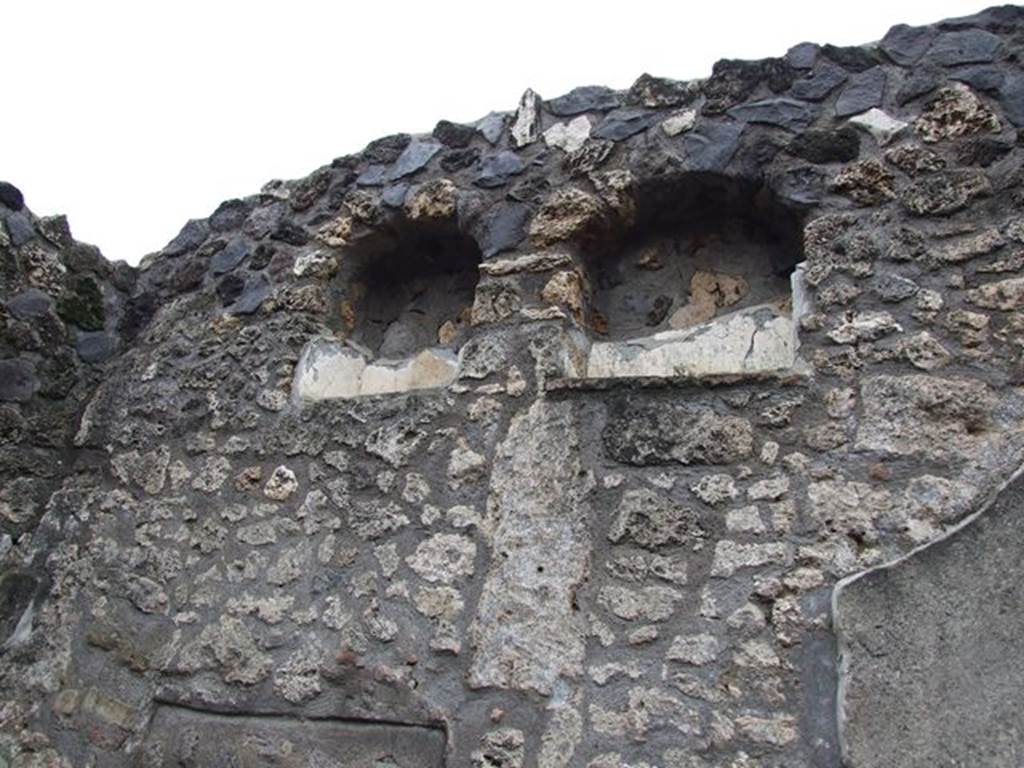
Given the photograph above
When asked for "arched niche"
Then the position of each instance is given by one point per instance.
(403, 297)
(701, 283)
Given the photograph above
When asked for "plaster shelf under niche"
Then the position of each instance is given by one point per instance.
(329, 369)
(752, 340)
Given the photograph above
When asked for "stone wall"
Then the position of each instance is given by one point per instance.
(572, 437)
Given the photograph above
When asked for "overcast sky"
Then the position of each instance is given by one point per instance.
(132, 117)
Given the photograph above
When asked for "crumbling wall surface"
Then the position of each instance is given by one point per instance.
(260, 509)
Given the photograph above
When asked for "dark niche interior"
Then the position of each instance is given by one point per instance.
(703, 245)
(414, 294)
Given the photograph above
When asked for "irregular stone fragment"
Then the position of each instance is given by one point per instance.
(905, 44)
(500, 749)
(567, 214)
(527, 632)
(568, 137)
(914, 160)
(434, 201)
(945, 192)
(969, 46)
(715, 489)
(1004, 294)
(281, 485)
(444, 557)
(498, 169)
(586, 98)
(687, 434)
(879, 124)
(862, 92)
(731, 556)
(526, 126)
(646, 604)
(866, 182)
(864, 326)
(918, 415)
(785, 113)
(777, 730)
(820, 82)
(659, 92)
(819, 145)
(679, 122)
(696, 650)
(414, 157)
(954, 112)
(651, 521)
(620, 124)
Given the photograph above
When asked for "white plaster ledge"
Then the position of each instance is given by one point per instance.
(330, 370)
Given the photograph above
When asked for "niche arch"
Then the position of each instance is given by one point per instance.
(706, 281)
(403, 297)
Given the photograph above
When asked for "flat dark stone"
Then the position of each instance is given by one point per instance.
(386, 149)
(801, 186)
(586, 98)
(252, 296)
(982, 151)
(802, 55)
(491, 126)
(905, 44)
(230, 256)
(454, 135)
(786, 113)
(893, 288)
(17, 380)
(30, 303)
(95, 346)
(711, 146)
(230, 214)
(731, 82)
(651, 91)
(374, 176)
(189, 238)
(394, 196)
(855, 58)
(623, 123)
(497, 169)
(287, 232)
(1011, 95)
(982, 77)
(413, 158)
(920, 83)
(823, 145)
(503, 228)
(863, 91)
(970, 46)
(819, 82)
(20, 229)
(11, 196)
(453, 160)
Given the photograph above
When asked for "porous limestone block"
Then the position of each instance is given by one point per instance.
(328, 369)
(748, 341)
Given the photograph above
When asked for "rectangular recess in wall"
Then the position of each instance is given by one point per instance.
(182, 736)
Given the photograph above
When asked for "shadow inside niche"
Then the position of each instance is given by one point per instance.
(703, 245)
(416, 294)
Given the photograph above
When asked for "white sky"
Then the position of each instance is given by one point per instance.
(132, 117)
